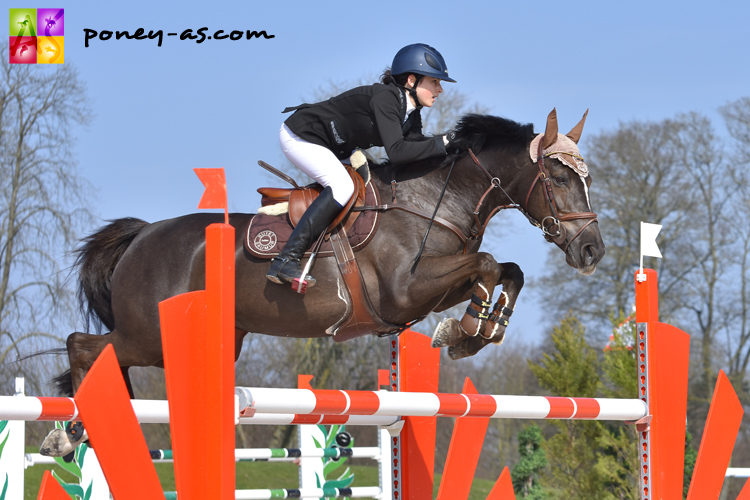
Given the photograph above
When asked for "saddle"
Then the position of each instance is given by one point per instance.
(299, 198)
(266, 235)
(268, 231)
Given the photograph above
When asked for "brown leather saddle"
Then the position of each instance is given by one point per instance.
(299, 198)
(360, 317)
(266, 235)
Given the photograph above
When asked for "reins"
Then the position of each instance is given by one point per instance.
(432, 219)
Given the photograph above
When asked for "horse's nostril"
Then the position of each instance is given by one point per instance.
(588, 254)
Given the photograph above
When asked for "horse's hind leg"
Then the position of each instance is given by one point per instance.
(83, 349)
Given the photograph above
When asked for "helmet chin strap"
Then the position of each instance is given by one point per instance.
(413, 92)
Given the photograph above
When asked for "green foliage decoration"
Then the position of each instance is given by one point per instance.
(3, 425)
(533, 461)
(330, 464)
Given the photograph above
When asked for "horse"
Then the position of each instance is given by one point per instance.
(129, 266)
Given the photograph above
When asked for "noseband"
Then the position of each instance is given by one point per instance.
(553, 230)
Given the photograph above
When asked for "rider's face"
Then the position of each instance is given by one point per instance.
(427, 90)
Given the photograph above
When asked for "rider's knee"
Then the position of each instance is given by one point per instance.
(343, 189)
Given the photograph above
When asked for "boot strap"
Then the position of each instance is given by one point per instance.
(497, 319)
(479, 301)
(476, 314)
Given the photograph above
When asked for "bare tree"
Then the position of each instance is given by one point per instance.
(43, 200)
(737, 119)
(707, 251)
(737, 348)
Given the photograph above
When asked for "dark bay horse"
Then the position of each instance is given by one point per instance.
(129, 266)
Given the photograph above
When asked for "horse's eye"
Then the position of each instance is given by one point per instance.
(559, 179)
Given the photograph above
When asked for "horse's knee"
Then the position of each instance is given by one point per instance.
(512, 272)
(488, 266)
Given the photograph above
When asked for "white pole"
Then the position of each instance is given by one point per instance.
(304, 401)
(384, 464)
(11, 459)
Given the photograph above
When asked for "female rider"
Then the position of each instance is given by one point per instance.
(318, 136)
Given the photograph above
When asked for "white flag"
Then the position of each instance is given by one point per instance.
(649, 247)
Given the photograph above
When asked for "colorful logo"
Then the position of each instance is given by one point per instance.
(37, 36)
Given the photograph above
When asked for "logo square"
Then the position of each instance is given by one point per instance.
(22, 22)
(22, 50)
(50, 22)
(51, 50)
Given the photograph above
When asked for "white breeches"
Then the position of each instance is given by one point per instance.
(317, 162)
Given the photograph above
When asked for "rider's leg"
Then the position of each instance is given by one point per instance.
(286, 266)
(319, 163)
(323, 166)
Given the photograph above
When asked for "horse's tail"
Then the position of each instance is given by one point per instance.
(96, 260)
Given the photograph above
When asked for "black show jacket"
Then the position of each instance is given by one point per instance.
(362, 118)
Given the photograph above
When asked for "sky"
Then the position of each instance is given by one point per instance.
(160, 111)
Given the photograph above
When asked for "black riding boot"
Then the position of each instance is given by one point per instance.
(286, 266)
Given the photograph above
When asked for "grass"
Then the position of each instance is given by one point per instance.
(250, 475)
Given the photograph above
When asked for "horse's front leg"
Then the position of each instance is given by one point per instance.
(463, 338)
(471, 276)
(511, 280)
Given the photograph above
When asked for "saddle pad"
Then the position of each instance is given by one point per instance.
(266, 235)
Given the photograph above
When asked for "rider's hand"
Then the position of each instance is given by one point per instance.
(449, 140)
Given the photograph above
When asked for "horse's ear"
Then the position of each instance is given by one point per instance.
(575, 133)
(550, 133)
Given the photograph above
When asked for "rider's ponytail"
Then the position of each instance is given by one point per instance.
(399, 80)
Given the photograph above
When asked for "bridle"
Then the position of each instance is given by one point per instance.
(559, 234)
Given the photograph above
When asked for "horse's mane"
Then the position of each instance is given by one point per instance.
(486, 131)
(472, 131)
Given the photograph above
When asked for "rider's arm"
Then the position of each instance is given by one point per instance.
(388, 120)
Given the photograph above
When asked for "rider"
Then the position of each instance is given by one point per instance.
(318, 136)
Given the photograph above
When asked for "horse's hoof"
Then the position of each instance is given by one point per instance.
(57, 444)
(448, 333)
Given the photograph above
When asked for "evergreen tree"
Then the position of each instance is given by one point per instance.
(618, 459)
(533, 461)
(572, 370)
(691, 455)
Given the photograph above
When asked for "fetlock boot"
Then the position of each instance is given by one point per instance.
(286, 266)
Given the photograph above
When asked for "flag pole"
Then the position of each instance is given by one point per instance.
(648, 245)
(641, 275)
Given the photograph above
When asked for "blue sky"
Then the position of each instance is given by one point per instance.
(162, 111)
